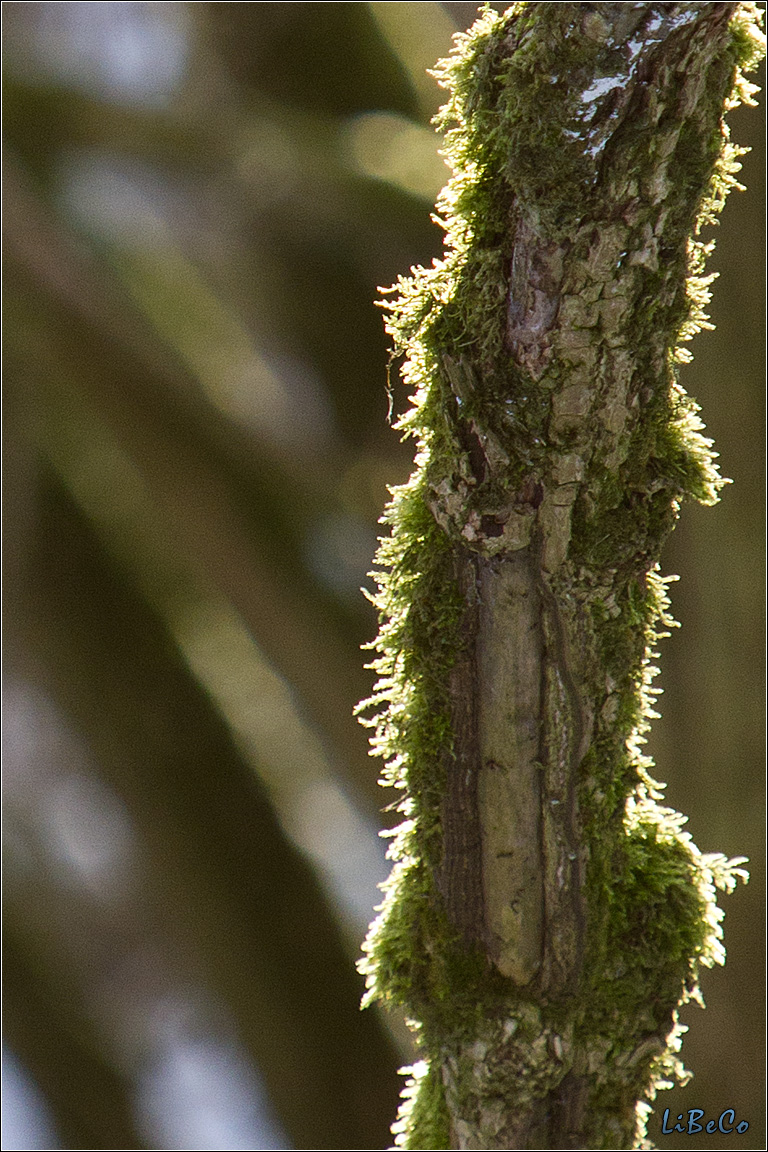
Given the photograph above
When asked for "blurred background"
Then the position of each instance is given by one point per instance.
(200, 202)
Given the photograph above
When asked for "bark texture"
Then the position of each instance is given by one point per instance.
(546, 916)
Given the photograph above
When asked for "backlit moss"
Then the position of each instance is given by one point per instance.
(529, 130)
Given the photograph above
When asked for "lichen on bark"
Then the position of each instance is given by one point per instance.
(546, 914)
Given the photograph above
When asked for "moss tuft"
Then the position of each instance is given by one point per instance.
(423, 1120)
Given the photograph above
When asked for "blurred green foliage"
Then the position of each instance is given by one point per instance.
(201, 201)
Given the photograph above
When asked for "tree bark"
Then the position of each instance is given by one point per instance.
(546, 915)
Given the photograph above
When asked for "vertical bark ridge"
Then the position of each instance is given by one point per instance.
(461, 874)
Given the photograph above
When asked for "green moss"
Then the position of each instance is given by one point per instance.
(519, 143)
(423, 1121)
(655, 929)
(415, 959)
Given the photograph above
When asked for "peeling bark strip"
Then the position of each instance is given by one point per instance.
(546, 916)
(509, 687)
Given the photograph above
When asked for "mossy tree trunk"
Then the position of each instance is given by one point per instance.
(546, 915)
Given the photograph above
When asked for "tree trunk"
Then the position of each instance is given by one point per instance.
(546, 915)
